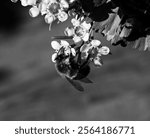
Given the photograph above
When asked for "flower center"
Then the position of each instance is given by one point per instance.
(54, 7)
(80, 31)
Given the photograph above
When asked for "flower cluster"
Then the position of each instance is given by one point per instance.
(121, 22)
(72, 59)
(80, 30)
(50, 9)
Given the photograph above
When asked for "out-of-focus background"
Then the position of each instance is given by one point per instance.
(31, 89)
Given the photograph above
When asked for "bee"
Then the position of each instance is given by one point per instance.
(73, 68)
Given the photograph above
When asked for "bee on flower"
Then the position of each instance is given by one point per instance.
(69, 64)
(80, 30)
(63, 45)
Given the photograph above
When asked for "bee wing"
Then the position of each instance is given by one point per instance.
(86, 80)
(75, 84)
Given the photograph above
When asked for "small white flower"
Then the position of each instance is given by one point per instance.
(97, 61)
(75, 22)
(62, 16)
(55, 8)
(87, 26)
(54, 57)
(24, 2)
(64, 4)
(95, 43)
(34, 11)
(49, 18)
(104, 50)
(77, 39)
(80, 30)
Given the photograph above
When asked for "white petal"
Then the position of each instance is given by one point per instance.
(43, 8)
(104, 50)
(64, 43)
(97, 62)
(49, 18)
(55, 45)
(24, 2)
(75, 22)
(34, 11)
(95, 43)
(71, 1)
(64, 3)
(62, 16)
(76, 39)
(82, 18)
(14, 1)
(86, 37)
(73, 51)
(111, 33)
(31, 2)
(69, 31)
(54, 57)
(86, 25)
(85, 48)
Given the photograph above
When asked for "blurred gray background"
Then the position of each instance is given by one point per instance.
(31, 89)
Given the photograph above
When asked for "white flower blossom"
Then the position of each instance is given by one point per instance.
(54, 9)
(104, 50)
(62, 16)
(34, 11)
(51, 9)
(49, 18)
(80, 30)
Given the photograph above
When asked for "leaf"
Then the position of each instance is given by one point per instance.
(75, 84)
